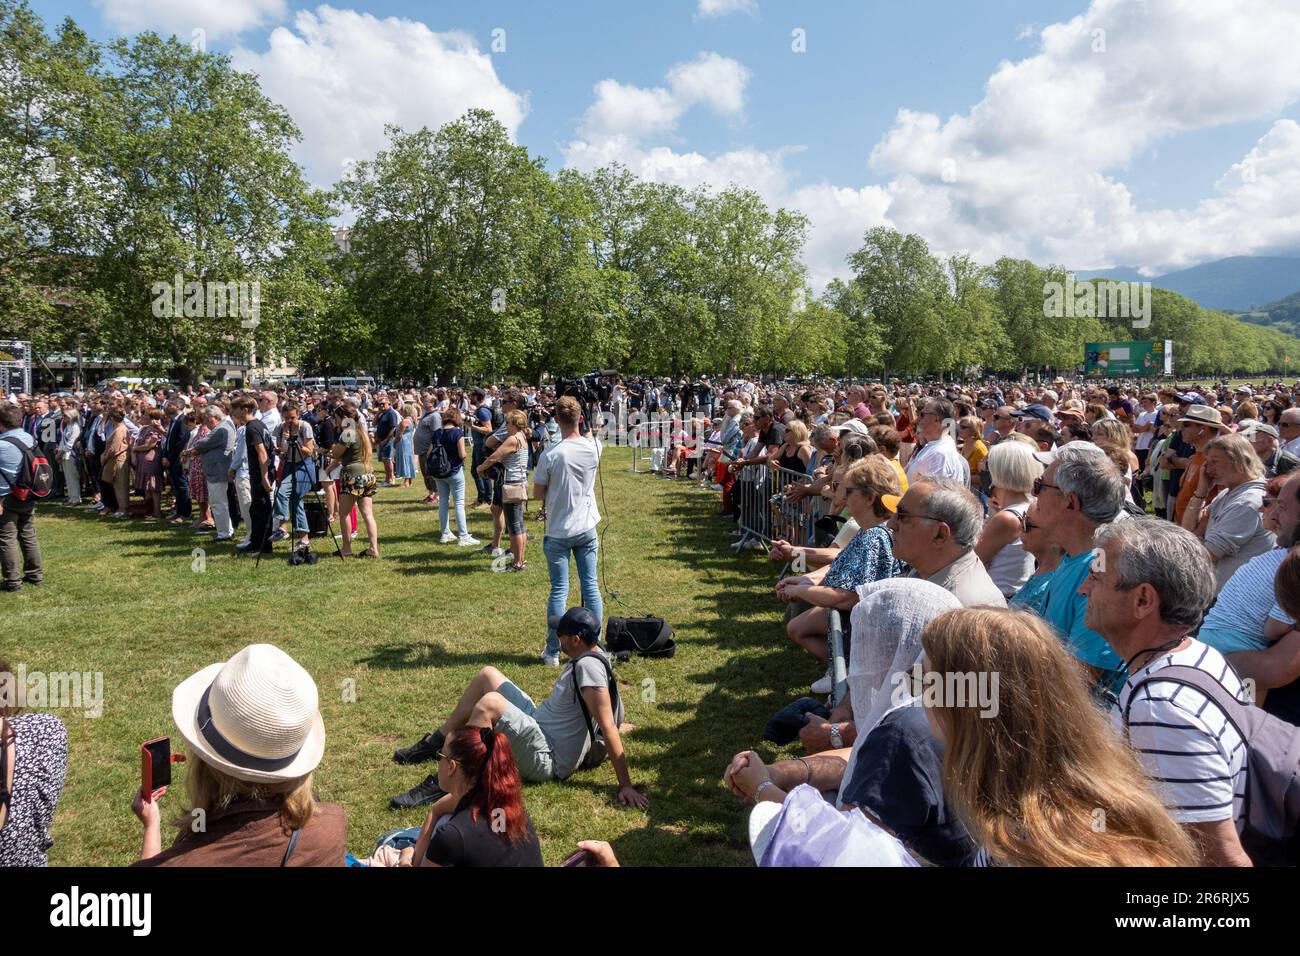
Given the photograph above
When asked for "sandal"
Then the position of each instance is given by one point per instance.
(368, 554)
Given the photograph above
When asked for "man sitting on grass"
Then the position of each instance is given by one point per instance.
(548, 742)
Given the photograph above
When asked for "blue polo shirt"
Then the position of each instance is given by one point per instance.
(1064, 610)
(11, 459)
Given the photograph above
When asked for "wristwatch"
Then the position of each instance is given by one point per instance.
(837, 742)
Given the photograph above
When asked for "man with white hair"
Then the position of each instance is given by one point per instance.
(217, 450)
(1264, 438)
(1288, 426)
(935, 527)
(1080, 492)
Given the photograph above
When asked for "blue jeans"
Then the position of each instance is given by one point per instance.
(482, 485)
(304, 476)
(557, 550)
(448, 487)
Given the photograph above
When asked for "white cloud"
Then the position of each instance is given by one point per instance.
(1034, 168)
(621, 110)
(722, 8)
(216, 18)
(343, 75)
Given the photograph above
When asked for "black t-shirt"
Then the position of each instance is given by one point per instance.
(255, 434)
(465, 841)
(898, 779)
(773, 435)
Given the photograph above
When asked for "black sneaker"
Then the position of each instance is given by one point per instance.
(426, 791)
(426, 748)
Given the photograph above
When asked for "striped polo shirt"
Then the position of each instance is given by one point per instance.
(1186, 743)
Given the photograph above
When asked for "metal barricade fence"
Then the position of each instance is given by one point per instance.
(767, 513)
(839, 667)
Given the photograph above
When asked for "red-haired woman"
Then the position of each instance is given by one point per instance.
(481, 821)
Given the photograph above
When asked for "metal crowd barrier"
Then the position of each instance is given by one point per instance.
(839, 670)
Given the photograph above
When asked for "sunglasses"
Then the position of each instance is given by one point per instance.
(903, 515)
(1039, 485)
(1026, 524)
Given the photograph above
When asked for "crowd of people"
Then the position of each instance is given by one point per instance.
(1056, 601)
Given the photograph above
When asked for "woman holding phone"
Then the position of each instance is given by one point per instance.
(249, 783)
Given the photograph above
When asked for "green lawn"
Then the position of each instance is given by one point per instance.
(123, 598)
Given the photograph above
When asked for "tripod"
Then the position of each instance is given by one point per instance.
(290, 474)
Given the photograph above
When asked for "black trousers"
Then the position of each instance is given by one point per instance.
(259, 516)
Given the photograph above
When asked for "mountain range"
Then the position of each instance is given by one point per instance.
(1240, 284)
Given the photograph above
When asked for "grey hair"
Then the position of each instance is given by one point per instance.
(1239, 452)
(213, 411)
(1169, 558)
(951, 502)
(1085, 470)
(746, 418)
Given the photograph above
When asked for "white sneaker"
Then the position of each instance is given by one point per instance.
(246, 543)
(468, 541)
(551, 660)
(824, 684)
(447, 538)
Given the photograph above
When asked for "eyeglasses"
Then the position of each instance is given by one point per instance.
(1026, 524)
(1039, 485)
(902, 514)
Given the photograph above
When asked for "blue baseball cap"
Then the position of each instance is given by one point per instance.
(580, 622)
(1041, 412)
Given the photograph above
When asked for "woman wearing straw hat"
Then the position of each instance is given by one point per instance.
(255, 735)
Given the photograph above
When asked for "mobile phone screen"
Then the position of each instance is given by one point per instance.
(578, 859)
(159, 755)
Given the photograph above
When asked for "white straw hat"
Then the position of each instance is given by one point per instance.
(255, 717)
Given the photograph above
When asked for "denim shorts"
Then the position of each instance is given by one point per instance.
(531, 749)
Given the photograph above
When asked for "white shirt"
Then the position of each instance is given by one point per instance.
(940, 459)
(1189, 747)
(271, 419)
(568, 472)
(1293, 446)
(1146, 418)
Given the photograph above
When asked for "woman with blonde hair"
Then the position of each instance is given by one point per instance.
(254, 735)
(796, 450)
(404, 445)
(1030, 764)
(355, 455)
(1012, 469)
(512, 453)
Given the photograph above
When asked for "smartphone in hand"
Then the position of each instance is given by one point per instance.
(155, 766)
(578, 859)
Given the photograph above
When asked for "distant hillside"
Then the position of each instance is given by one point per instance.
(1237, 284)
(1283, 315)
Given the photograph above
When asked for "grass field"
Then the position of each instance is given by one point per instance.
(124, 598)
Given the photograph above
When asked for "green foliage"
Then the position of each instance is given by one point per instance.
(132, 163)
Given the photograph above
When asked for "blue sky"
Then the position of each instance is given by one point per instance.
(1167, 139)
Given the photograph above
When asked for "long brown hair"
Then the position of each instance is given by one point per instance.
(349, 411)
(1044, 780)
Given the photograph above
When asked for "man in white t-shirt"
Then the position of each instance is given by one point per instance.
(940, 457)
(1149, 586)
(565, 483)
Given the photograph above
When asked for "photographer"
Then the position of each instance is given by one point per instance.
(296, 445)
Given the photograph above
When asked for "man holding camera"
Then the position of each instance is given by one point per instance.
(295, 443)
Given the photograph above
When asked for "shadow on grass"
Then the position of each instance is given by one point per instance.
(425, 654)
